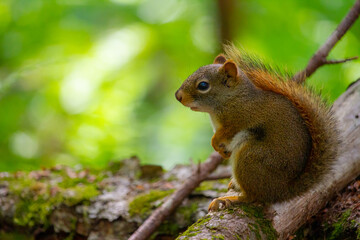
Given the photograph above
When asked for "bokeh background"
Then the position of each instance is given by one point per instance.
(89, 81)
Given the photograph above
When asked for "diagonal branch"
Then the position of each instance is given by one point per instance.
(320, 56)
(226, 173)
(157, 217)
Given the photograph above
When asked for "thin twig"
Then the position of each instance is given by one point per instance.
(218, 176)
(333, 61)
(157, 217)
(320, 56)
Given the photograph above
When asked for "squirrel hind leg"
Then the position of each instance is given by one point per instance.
(227, 202)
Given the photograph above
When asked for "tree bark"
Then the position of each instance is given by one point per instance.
(287, 217)
(100, 204)
(340, 219)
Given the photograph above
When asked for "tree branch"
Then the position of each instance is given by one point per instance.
(320, 56)
(156, 218)
(222, 175)
(333, 61)
(344, 209)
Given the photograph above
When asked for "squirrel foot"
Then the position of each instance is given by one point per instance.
(226, 202)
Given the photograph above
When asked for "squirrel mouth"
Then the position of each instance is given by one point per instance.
(198, 109)
(192, 106)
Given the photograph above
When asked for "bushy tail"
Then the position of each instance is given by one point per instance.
(316, 114)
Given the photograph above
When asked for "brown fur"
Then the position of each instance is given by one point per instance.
(317, 116)
(281, 137)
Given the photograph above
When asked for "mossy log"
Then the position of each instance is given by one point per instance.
(63, 203)
(288, 217)
(111, 203)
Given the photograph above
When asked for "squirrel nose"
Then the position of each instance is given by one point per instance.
(178, 95)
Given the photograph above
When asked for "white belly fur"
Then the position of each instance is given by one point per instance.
(238, 140)
(214, 123)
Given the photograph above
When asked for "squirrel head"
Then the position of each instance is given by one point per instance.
(212, 85)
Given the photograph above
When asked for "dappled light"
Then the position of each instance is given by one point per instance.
(89, 82)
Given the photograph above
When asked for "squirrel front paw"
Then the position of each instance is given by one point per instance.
(223, 152)
(220, 147)
(224, 203)
(227, 202)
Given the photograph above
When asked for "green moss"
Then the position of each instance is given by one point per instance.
(71, 235)
(81, 193)
(228, 211)
(254, 228)
(339, 226)
(237, 237)
(356, 225)
(115, 166)
(172, 178)
(15, 235)
(37, 198)
(166, 228)
(261, 223)
(210, 185)
(31, 211)
(194, 229)
(143, 203)
(187, 212)
(358, 233)
(172, 228)
(218, 237)
(299, 234)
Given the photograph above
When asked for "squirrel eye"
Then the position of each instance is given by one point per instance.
(202, 86)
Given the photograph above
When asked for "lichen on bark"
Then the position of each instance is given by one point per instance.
(97, 204)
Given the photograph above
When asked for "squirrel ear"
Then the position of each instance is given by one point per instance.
(220, 59)
(231, 69)
(232, 73)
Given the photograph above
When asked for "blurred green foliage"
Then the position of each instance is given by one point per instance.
(85, 81)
